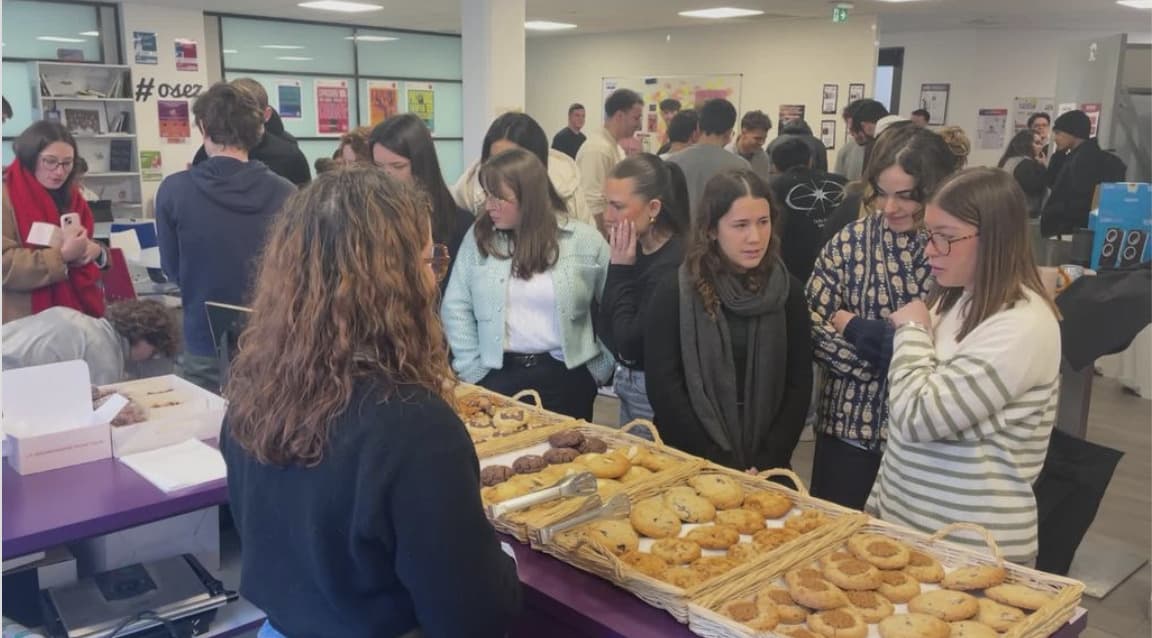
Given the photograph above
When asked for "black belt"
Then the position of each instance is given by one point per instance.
(522, 360)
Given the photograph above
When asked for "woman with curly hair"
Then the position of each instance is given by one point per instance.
(729, 364)
(132, 330)
(354, 486)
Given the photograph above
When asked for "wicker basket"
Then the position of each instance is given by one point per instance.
(521, 524)
(538, 417)
(572, 548)
(705, 619)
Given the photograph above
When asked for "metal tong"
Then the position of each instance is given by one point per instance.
(617, 507)
(582, 484)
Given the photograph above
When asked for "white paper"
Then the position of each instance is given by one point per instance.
(128, 242)
(48, 398)
(42, 234)
(179, 466)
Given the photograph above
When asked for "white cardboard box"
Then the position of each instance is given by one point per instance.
(198, 415)
(48, 418)
(196, 533)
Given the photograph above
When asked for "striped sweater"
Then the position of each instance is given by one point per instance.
(969, 424)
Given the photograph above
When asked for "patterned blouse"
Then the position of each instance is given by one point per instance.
(869, 271)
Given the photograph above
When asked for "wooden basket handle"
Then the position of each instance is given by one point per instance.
(788, 474)
(647, 425)
(947, 530)
(530, 393)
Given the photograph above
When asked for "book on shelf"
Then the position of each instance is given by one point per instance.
(120, 156)
(45, 88)
(117, 85)
(84, 121)
(120, 123)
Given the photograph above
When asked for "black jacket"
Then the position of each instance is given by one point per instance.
(568, 141)
(1074, 180)
(819, 151)
(278, 151)
(623, 318)
(807, 199)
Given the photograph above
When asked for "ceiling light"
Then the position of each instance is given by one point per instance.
(370, 38)
(340, 5)
(286, 47)
(1136, 4)
(547, 25)
(90, 34)
(292, 58)
(721, 12)
(53, 38)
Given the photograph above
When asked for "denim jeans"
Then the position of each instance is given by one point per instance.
(633, 394)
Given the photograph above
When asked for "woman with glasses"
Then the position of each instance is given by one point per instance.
(402, 145)
(518, 308)
(50, 258)
(974, 374)
(868, 270)
(354, 485)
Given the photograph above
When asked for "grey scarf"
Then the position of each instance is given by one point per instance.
(706, 347)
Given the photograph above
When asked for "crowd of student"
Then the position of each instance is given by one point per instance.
(712, 284)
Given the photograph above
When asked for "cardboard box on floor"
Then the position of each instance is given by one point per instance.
(196, 533)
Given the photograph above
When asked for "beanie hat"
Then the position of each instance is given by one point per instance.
(1074, 123)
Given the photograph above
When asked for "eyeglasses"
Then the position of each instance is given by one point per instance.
(439, 261)
(51, 163)
(942, 244)
(492, 197)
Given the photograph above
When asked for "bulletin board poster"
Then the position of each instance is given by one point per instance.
(1024, 107)
(383, 101)
(691, 91)
(1092, 110)
(790, 112)
(289, 99)
(991, 125)
(173, 120)
(187, 57)
(934, 99)
(331, 107)
(151, 166)
(422, 103)
(144, 47)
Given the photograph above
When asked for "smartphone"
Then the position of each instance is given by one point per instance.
(69, 220)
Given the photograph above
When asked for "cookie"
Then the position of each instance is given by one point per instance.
(871, 606)
(529, 464)
(973, 577)
(495, 475)
(634, 474)
(645, 563)
(607, 488)
(652, 519)
(592, 445)
(998, 616)
(710, 566)
(853, 574)
(945, 604)
(510, 420)
(724, 492)
(743, 552)
(559, 455)
(766, 620)
(650, 460)
(797, 631)
(741, 610)
(676, 551)
(769, 505)
(475, 404)
(806, 521)
(1019, 596)
(507, 490)
(745, 521)
(817, 593)
(972, 629)
(691, 508)
(913, 626)
(898, 586)
(792, 577)
(835, 557)
(789, 612)
(924, 568)
(838, 623)
(682, 577)
(714, 536)
(566, 439)
(616, 536)
(480, 421)
(608, 466)
(880, 551)
(773, 537)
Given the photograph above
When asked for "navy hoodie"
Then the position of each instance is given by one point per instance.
(211, 223)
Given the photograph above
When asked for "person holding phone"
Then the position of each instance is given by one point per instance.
(50, 258)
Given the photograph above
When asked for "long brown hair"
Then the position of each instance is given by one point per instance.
(343, 295)
(703, 258)
(991, 200)
(919, 152)
(534, 246)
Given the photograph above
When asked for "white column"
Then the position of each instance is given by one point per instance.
(493, 51)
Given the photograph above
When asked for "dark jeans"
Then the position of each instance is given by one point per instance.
(203, 371)
(569, 392)
(843, 473)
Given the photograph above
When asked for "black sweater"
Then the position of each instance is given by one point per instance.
(623, 321)
(386, 534)
(668, 389)
(279, 153)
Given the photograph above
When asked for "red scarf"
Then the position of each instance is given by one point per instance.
(31, 203)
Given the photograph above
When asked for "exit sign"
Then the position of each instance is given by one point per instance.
(839, 14)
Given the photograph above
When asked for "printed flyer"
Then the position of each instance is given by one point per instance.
(331, 107)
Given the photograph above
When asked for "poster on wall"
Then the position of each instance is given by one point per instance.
(1092, 110)
(789, 112)
(828, 133)
(383, 101)
(150, 166)
(289, 99)
(1024, 107)
(690, 90)
(145, 48)
(831, 99)
(331, 107)
(934, 99)
(855, 92)
(173, 118)
(422, 102)
(1064, 107)
(991, 126)
(187, 57)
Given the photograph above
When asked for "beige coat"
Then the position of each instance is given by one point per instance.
(25, 268)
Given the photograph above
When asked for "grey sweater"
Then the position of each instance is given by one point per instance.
(702, 162)
(63, 334)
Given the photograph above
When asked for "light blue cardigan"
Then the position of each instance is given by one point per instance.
(477, 295)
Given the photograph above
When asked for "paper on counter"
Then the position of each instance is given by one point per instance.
(179, 466)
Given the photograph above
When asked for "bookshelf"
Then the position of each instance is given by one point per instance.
(94, 101)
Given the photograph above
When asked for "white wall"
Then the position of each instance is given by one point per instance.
(783, 62)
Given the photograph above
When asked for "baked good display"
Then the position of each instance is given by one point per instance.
(645, 563)
(495, 474)
(741, 610)
(797, 631)
(608, 466)
(883, 552)
(996, 615)
(816, 593)
(653, 519)
(723, 491)
(852, 574)
(558, 455)
(913, 626)
(744, 520)
(973, 577)
(690, 507)
(529, 464)
(743, 552)
(766, 620)
(714, 536)
(616, 536)
(682, 577)
(510, 420)
(649, 460)
(635, 474)
(945, 604)
(592, 445)
(871, 606)
(607, 488)
(768, 504)
(676, 551)
(789, 612)
(972, 629)
(1020, 596)
(898, 586)
(806, 521)
(838, 623)
(773, 537)
(924, 568)
(711, 566)
(567, 439)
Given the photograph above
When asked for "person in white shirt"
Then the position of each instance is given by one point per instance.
(596, 157)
